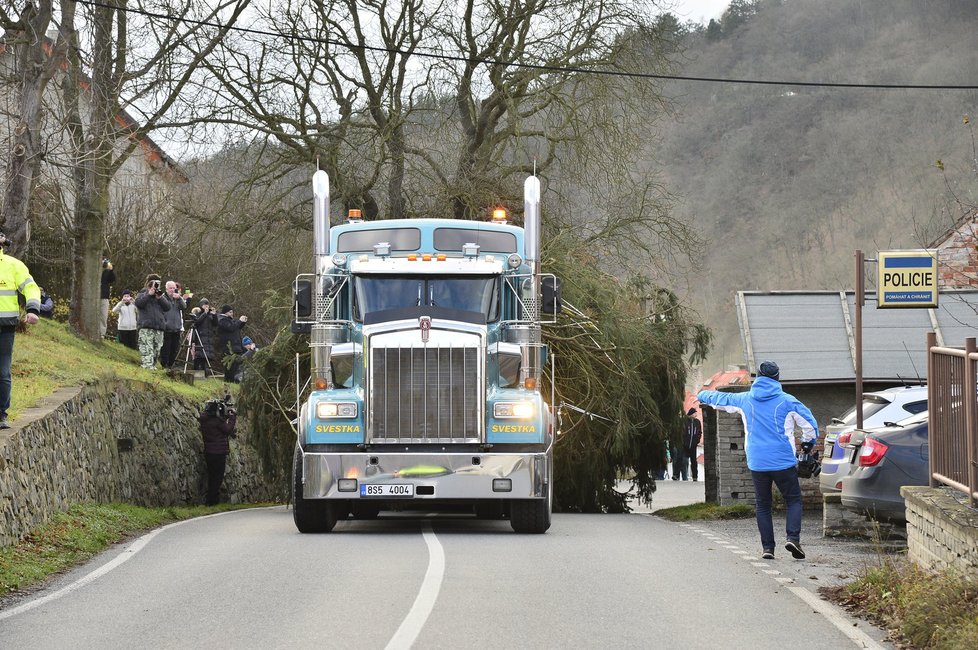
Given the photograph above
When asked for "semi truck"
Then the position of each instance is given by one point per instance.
(427, 368)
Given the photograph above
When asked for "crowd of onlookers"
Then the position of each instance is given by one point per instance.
(161, 322)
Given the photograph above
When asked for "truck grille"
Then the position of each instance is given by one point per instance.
(425, 394)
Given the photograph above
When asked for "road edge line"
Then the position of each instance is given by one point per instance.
(830, 612)
(124, 555)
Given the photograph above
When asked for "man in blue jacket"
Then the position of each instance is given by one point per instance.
(770, 416)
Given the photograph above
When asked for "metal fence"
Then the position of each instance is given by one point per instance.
(952, 394)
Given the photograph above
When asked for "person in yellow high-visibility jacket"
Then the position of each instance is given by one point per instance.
(14, 279)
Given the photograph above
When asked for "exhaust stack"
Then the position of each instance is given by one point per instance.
(531, 221)
(321, 335)
(320, 217)
(530, 335)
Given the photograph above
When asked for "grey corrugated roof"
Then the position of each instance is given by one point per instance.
(809, 334)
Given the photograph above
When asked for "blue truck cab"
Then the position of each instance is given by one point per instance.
(427, 360)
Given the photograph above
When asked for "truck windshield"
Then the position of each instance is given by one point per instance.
(375, 293)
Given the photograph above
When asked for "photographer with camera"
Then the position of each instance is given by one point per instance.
(770, 416)
(205, 321)
(152, 304)
(173, 325)
(230, 339)
(217, 423)
(128, 327)
(105, 287)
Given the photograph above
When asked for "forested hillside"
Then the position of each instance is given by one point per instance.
(785, 182)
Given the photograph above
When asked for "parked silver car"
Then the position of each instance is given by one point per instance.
(879, 407)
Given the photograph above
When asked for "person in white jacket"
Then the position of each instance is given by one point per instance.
(125, 309)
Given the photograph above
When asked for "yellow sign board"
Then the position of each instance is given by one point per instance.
(907, 279)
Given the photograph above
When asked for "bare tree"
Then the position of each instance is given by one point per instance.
(156, 70)
(34, 65)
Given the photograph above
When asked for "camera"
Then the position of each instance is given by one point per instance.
(105, 262)
(155, 284)
(809, 463)
(221, 408)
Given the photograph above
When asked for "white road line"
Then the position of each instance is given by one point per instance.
(760, 564)
(411, 626)
(127, 554)
(845, 626)
(740, 552)
(773, 572)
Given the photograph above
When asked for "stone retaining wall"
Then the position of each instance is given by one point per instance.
(942, 530)
(113, 442)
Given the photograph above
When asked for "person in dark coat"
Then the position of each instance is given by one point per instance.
(691, 439)
(173, 325)
(105, 287)
(202, 337)
(217, 422)
(152, 304)
(229, 338)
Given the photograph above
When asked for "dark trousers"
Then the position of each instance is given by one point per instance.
(129, 338)
(679, 464)
(693, 467)
(787, 482)
(171, 347)
(215, 476)
(6, 356)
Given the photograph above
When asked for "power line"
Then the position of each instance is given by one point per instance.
(527, 66)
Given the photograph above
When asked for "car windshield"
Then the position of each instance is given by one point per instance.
(471, 293)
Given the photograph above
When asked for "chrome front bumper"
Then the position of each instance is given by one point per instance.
(434, 476)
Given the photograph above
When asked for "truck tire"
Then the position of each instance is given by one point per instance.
(310, 515)
(530, 515)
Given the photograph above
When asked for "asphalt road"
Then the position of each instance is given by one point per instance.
(247, 579)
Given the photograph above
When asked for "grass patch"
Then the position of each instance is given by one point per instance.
(922, 609)
(710, 511)
(48, 356)
(74, 536)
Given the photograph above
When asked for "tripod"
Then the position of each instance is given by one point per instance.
(190, 342)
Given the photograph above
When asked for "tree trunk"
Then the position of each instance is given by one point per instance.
(395, 186)
(33, 72)
(92, 169)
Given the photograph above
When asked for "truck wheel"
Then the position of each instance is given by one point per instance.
(310, 515)
(530, 515)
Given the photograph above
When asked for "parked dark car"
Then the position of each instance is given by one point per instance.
(888, 458)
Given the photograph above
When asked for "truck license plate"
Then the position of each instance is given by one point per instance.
(386, 490)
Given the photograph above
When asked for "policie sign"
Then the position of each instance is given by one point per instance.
(907, 279)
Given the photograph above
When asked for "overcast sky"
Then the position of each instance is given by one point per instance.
(699, 10)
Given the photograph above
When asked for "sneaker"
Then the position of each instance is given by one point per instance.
(794, 548)
(768, 554)
(3, 423)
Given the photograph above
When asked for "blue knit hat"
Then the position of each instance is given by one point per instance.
(246, 341)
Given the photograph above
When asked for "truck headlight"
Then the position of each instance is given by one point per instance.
(521, 410)
(336, 410)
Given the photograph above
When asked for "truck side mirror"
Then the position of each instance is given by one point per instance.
(550, 298)
(302, 299)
